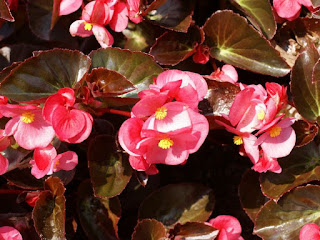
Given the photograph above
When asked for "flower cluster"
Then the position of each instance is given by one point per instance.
(33, 128)
(97, 14)
(162, 130)
(261, 131)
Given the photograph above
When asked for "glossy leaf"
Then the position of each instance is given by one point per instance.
(99, 217)
(220, 96)
(43, 75)
(171, 14)
(300, 167)
(305, 132)
(232, 40)
(178, 203)
(194, 230)
(106, 83)
(260, 14)
(139, 68)
(283, 220)
(250, 194)
(5, 11)
(304, 90)
(149, 229)
(109, 169)
(173, 47)
(49, 212)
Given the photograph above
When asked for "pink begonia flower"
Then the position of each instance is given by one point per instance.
(290, 9)
(278, 138)
(266, 163)
(70, 124)
(9, 233)
(278, 93)
(226, 74)
(69, 6)
(134, 10)
(310, 231)
(202, 54)
(27, 126)
(229, 227)
(47, 161)
(4, 164)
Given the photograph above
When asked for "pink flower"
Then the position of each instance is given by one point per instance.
(278, 94)
(266, 163)
(290, 9)
(70, 124)
(46, 161)
(9, 233)
(4, 164)
(202, 54)
(27, 126)
(229, 227)
(310, 231)
(134, 10)
(69, 6)
(227, 74)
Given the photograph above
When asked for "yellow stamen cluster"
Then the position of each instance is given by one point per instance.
(165, 143)
(27, 117)
(261, 115)
(161, 113)
(88, 26)
(56, 164)
(275, 131)
(237, 140)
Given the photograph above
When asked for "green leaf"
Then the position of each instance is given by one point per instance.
(178, 203)
(300, 167)
(49, 211)
(99, 217)
(232, 40)
(174, 47)
(171, 14)
(139, 68)
(106, 83)
(5, 11)
(304, 90)
(44, 74)
(109, 169)
(193, 230)
(260, 14)
(149, 229)
(250, 194)
(284, 220)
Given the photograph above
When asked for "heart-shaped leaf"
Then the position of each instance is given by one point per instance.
(250, 194)
(193, 230)
(109, 169)
(260, 14)
(232, 40)
(149, 229)
(171, 14)
(49, 212)
(173, 47)
(304, 90)
(5, 11)
(139, 68)
(300, 167)
(106, 83)
(178, 203)
(99, 217)
(284, 220)
(43, 75)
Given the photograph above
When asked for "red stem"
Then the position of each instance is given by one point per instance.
(119, 112)
(11, 191)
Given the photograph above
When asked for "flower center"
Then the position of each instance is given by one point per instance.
(165, 143)
(275, 131)
(56, 164)
(88, 26)
(27, 117)
(237, 140)
(261, 115)
(161, 113)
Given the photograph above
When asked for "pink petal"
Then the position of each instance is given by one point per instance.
(310, 231)
(306, 3)
(138, 163)
(4, 164)
(267, 163)
(9, 233)
(43, 157)
(119, 19)
(104, 38)
(13, 110)
(189, 96)
(51, 104)
(228, 223)
(149, 104)
(12, 126)
(231, 72)
(66, 161)
(77, 28)
(96, 12)
(288, 9)
(69, 6)
(250, 148)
